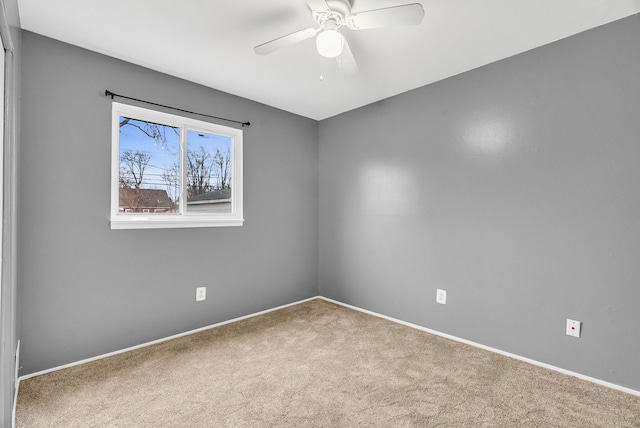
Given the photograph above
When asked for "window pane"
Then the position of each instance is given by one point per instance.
(208, 172)
(149, 167)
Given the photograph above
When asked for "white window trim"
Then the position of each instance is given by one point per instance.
(182, 219)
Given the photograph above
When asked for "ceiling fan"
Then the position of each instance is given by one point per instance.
(331, 15)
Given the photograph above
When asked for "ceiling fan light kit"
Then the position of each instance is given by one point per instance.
(330, 15)
(330, 43)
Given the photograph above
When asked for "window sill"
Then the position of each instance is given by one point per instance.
(173, 222)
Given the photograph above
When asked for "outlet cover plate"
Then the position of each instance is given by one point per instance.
(573, 328)
(441, 296)
(201, 294)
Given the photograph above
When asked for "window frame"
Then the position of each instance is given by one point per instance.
(181, 219)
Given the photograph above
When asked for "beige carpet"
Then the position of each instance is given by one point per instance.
(317, 364)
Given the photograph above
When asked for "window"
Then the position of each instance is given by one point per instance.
(171, 171)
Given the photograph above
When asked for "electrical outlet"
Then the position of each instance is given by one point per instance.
(201, 294)
(441, 296)
(573, 328)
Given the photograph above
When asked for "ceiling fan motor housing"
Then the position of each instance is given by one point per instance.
(339, 11)
(343, 7)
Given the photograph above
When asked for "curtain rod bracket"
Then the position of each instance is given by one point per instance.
(108, 93)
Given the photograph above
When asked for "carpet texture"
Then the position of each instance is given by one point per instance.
(317, 364)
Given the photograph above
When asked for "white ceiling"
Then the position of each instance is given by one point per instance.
(211, 42)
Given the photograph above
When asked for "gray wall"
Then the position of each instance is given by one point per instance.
(86, 290)
(514, 187)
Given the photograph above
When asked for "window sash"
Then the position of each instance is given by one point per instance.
(183, 217)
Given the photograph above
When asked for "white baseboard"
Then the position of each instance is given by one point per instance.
(143, 345)
(448, 336)
(488, 348)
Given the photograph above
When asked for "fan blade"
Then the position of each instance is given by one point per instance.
(408, 14)
(284, 41)
(318, 5)
(346, 61)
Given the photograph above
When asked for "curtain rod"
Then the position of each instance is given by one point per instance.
(108, 93)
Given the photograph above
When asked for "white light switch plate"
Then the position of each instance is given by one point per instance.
(573, 328)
